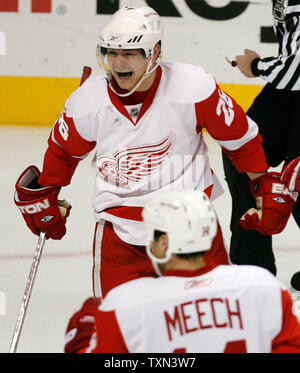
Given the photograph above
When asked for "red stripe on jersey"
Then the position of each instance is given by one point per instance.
(109, 335)
(190, 273)
(67, 136)
(9, 5)
(118, 104)
(41, 6)
(250, 157)
(149, 99)
(288, 340)
(126, 212)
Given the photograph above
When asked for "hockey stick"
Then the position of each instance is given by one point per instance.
(35, 262)
(27, 292)
(86, 73)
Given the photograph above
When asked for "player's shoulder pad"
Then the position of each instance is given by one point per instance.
(253, 276)
(185, 82)
(131, 293)
(88, 97)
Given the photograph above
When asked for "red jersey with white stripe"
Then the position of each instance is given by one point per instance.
(144, 148)
(226, 309)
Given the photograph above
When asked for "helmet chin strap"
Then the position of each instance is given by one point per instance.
(155, 261)
(143, 77)
(156, 268)
(146, 74)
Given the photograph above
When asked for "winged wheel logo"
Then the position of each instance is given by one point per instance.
(134, 164)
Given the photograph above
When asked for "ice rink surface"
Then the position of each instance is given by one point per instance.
(64, 276)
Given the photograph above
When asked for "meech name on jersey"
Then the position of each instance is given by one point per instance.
(203, 313)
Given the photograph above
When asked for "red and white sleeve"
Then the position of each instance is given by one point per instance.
(80, 328)
(237, 134)
(66, 147)
(109, 335)
(288, 339)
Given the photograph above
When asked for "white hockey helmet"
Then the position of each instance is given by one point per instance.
(187, 217)
(132, 28)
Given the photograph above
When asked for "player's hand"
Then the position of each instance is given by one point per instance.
(39, 205)
(243, 62)
(80, 328)
(290, 175)
(274, 205)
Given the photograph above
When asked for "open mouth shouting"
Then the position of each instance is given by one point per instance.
(124, 76)
(125, 79)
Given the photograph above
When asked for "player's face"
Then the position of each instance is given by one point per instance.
(127, 66)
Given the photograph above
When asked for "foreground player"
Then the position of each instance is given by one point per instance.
(144, 121)
(195, 306)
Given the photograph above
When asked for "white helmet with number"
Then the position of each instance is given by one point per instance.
(131, 28)
(187, 217)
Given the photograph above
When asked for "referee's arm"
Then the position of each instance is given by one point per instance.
(283, 71)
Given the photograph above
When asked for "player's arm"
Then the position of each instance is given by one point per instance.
(81, 328)
(239, 138)
(91, 330)
(37, 192)
(274, 205)
(237, 134)
(109, 338)
(288, 339)
(66, 148)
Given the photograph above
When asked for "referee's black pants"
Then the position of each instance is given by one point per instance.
(277, 114)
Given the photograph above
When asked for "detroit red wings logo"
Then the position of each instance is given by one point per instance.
(134, 164)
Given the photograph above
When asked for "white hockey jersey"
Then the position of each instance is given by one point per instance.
(228, 309)
(143, 149)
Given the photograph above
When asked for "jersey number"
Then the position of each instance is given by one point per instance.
(63, 128)
(225, 105)
(231, 347)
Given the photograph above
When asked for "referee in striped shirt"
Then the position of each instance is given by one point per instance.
(276, 110)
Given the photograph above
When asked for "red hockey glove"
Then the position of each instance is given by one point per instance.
(274, 202)
(290, 175)
(80, 328)
(39, 205)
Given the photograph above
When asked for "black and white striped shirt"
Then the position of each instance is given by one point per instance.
(283, 71)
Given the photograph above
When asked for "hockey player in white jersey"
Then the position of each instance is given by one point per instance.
(196, 306)
(144, 120)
